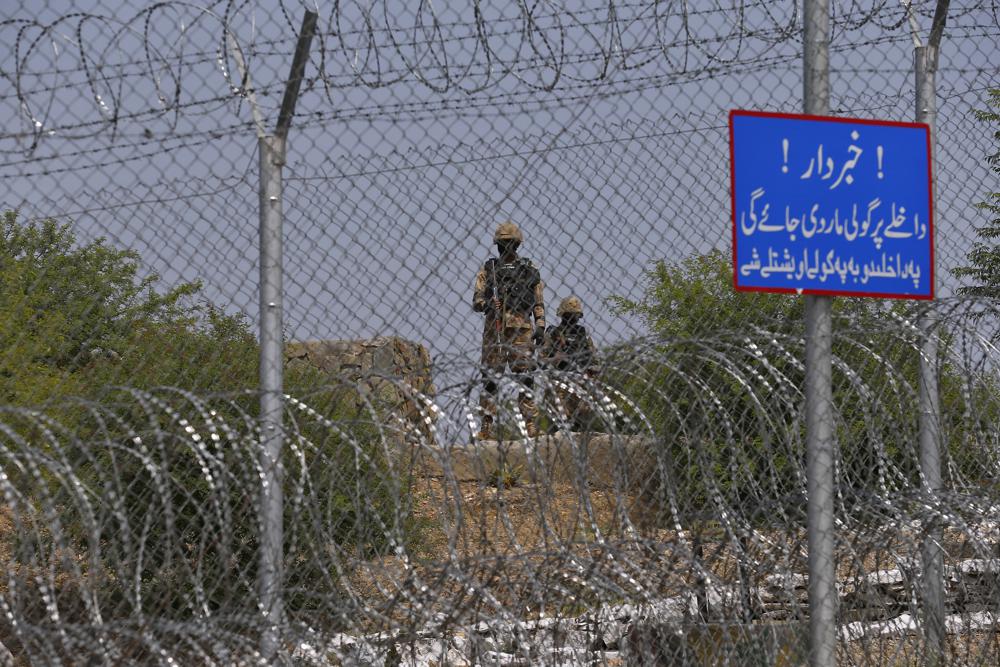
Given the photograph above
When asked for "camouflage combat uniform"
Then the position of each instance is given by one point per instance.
(568, 347)
(520, 289)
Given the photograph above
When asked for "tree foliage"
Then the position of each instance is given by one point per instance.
(80, 319)
(724, 387)
(984, 258)
(75, 318)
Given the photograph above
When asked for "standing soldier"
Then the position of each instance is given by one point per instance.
(509, 291)
(568, 347)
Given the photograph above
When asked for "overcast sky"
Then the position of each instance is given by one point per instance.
(605, 140)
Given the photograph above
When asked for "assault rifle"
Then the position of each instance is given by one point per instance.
(497, 307)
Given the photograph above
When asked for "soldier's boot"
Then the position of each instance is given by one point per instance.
(530, 413)
(488, 410)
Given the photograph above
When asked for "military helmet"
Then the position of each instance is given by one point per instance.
(508, 231)
(570, 304)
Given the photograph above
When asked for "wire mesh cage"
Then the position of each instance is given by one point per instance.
(280, 384)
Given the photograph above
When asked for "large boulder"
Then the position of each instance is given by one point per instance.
(388, 372)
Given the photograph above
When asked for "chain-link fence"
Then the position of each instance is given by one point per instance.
(429, 476)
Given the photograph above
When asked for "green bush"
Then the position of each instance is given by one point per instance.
(722, 387)
(174, 514)
(984, 257)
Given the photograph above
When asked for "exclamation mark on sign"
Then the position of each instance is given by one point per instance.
(878, 154)
(784, 150)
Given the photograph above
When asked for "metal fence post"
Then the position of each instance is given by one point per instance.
(819, 380)
(924, 61)
(269, 582)
(270, 579)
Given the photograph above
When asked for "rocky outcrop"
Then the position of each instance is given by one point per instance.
(384, 356)
(387, 371)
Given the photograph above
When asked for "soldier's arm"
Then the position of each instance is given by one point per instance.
(479, 292)
(539, 309)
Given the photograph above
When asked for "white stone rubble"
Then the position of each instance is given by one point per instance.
(597, 636)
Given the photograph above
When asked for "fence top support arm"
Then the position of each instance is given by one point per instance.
(299, 60)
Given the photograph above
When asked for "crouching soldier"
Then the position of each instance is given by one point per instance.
(509, 292)
(568, 347)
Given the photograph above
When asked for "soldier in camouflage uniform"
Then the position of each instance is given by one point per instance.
(568, 347)
(509, 291)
